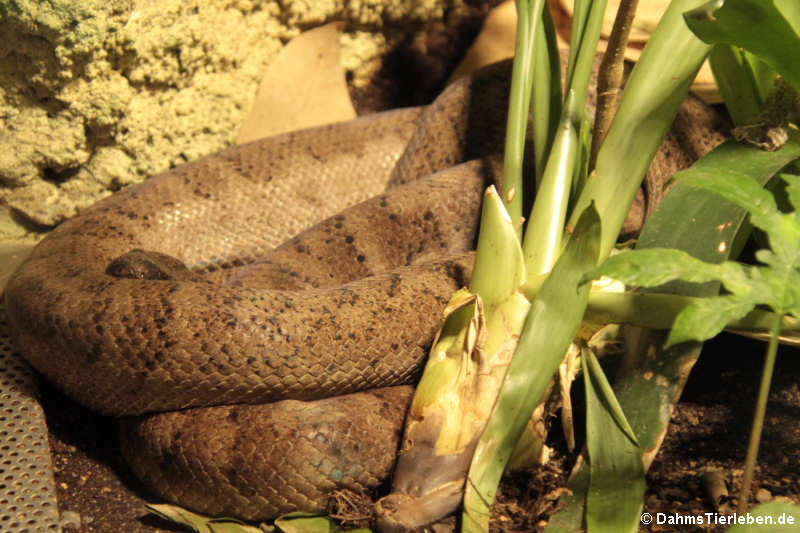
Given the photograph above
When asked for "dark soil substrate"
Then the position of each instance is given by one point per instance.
(709, 431)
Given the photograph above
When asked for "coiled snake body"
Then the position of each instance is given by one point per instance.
(342, 312)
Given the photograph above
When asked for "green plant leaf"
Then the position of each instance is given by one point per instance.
(738, 188)
(782, 230)
(528, 12)
(583, 48)
(767, 28)
(763, 75)
(705, 318)
(616, 479)
(656, 266)
(697, 222)
(785, 518)
(775, 284)
(736, 82)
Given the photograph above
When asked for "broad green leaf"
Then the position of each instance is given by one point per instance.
(656, 266)
(775, 517)
(763, 75)
(707, 317)
(774, 284)
(695, 220)
(782, 230)
(616, 482)
(738, 188)
(780, 286)
(767, 28)
(550, 326)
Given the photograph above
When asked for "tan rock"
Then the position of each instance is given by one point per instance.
(96, 95)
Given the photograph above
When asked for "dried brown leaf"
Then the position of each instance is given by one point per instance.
(303, 87)
(494, 43)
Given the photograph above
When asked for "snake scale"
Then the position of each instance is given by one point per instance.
(256, 317)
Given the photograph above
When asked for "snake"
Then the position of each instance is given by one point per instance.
(257, 318)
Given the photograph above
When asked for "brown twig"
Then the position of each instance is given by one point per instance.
(609, 78)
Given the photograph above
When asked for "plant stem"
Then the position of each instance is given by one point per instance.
(609, 77)
(546, 96)
(519, 102)
(758, 418)
(658, 311)
(586, 48)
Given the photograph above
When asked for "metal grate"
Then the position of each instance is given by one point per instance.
(27, 490)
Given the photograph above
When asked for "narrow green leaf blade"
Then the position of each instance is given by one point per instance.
(767, 28)
(528, 11)
(736, 82)
(545, 229)
(603, 390)
(616, 484)
(586, 48)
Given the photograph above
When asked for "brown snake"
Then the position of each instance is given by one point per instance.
(334, 310)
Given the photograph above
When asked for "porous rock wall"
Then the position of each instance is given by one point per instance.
(99, 94)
